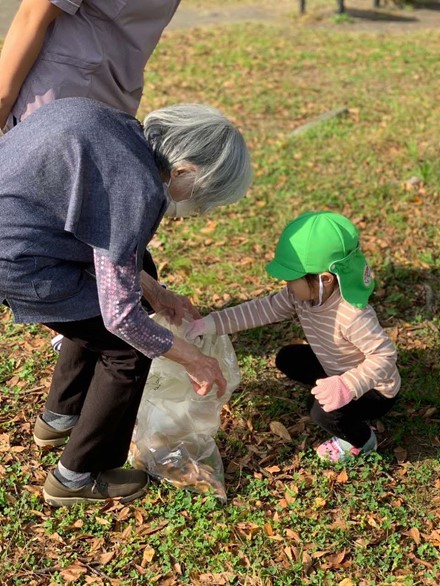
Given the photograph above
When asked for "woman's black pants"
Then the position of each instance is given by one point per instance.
(299, 363)
(100, 378)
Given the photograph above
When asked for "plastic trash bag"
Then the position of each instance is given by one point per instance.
(174, 433)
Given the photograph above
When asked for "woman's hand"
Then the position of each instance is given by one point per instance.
(164, 301)
(203, 370)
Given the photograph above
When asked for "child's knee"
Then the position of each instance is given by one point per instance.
(283, 360)
(317, 414)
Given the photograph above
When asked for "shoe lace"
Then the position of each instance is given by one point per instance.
(99, 485)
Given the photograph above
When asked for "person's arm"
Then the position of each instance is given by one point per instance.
(250, 314)
(119, 294)
(378, 370)
(174, 306)
(21, 48)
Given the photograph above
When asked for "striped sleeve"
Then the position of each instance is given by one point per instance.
(378, 370)
(257, 312)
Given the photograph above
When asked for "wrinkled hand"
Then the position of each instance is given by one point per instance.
(206, 373)
(203, 371)
(331, 393)
(174, 306)
(200, 327)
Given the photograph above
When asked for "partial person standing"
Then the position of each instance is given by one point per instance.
(67, 48)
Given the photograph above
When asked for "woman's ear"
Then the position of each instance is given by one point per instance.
(182, 169)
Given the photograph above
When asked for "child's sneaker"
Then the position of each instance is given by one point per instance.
(336, 449)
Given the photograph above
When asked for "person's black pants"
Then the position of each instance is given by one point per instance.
(100, 378)
(299, 363)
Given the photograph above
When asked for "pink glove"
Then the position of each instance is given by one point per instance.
(331, 393)
(200, 327)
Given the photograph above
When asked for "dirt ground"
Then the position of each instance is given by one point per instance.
(363, 17)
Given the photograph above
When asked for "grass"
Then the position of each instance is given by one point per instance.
(289, 519)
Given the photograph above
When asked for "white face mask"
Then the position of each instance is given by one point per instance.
(179, 209)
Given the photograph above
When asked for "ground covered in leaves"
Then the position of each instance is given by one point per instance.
(289, 519)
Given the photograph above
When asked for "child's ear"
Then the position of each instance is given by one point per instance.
(327, 279)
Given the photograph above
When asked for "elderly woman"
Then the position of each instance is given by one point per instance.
(83, 189)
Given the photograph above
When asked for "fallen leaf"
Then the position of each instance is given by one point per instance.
(307, 562)
(272, 469)
(372, 522)
(147, 556)
(337, 559)
(248, 529)
(429, 412)
(280, 430)
(293, 535)
(5, 446)
(342, 477)
(268, 529)
(401, 454)
(288, 551)
(105, 557)
(73, 573)
(414, 533)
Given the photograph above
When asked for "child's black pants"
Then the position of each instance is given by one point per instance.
(299, 363)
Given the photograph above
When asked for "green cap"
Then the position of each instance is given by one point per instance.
(317, 242)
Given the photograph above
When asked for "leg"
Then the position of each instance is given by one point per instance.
(299, 363)
(100, 439)
(350, 422)
(72, 376)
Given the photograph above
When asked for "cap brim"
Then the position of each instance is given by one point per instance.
(275, 269)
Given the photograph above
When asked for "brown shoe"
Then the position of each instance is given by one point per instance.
(118, 484)
(47, 436)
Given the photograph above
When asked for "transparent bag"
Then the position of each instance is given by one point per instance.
(175, 429)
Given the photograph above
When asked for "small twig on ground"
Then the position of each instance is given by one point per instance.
(338, 112)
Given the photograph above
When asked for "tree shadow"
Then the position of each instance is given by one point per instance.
(426, 4)
(374, 15)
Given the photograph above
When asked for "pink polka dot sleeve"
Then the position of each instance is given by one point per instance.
(119, 293)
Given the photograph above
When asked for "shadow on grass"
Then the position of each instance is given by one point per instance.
(374, 15)
(430, 5)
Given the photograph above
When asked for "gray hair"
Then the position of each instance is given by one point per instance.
(201, 135)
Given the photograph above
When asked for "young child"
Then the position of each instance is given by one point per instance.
(349, 361)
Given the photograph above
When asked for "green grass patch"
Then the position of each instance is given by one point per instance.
(289, 519)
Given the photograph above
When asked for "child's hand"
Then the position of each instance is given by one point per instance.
(331, 393)
(200, 327)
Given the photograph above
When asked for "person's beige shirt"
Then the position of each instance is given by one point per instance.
(96, 49)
